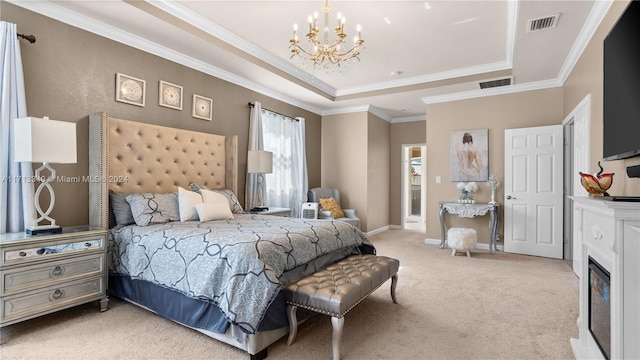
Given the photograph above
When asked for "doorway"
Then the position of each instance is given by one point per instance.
(414, 187)
(577, 146)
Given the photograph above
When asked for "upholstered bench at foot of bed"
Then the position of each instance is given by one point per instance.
(337, 289)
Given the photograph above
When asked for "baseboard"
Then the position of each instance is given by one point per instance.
(385, 228)
(378, 230)
(480, 246)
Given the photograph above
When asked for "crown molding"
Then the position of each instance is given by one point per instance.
(471, 70)
(503, 90)
(404, 119)
(512, 22)
(594, 19)
(62, 14)
(598, 12)
(193, 18)
(345, 110)
(359, 109)
(380, 113)
(52, 10)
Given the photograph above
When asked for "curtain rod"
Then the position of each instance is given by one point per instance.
(30, 38)
(292, 118)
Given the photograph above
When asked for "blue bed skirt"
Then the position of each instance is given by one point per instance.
(196, 313)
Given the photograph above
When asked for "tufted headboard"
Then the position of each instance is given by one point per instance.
(136, 157)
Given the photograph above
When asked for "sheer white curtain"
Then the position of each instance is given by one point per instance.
(17, 210)
(255, 143)
(287, 185)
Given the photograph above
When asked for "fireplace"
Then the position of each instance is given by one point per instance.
(608, 237)
(600, 307)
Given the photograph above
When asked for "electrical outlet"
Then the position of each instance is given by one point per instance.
(438, 179)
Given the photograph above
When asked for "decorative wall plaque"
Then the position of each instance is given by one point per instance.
(170, 95)
(130, 90)
(202, 107)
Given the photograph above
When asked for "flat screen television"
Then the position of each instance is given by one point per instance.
(622, 87)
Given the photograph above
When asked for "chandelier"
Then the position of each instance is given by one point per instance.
(323, 53)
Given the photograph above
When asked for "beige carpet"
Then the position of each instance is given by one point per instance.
(500, 306)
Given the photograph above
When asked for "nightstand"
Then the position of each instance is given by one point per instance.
(45, 273)
(277, 211)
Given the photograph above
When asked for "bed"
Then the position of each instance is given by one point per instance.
(222, 277)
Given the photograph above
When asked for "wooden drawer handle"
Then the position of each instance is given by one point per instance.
(57, 271)
(57, 294)
(87, 244)
(22, 254)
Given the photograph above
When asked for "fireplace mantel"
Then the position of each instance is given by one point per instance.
(609, 232)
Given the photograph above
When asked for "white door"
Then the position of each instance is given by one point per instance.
(533, 201)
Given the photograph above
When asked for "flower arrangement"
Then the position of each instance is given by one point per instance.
(466, 190)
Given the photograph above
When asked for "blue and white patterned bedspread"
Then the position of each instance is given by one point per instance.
(235, 263)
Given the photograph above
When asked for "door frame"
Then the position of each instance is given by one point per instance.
(405, 186)
(580, 161)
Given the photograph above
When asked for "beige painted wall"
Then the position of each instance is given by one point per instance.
(587, 78)
(355, 159)
(414, 132)
(496, 113)
(70, 73)
(378, 173)
(344, 160)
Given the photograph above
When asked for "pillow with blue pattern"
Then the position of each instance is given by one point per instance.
(154, 208)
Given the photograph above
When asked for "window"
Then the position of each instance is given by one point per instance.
(287, 184)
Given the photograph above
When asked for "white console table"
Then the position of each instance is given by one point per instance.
(470, 211)
(609, 233)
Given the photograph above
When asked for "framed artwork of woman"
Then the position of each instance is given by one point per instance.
(470, 155)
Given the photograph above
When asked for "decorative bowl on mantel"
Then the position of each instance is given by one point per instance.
(598, 184)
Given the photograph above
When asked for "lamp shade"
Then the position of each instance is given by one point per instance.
(259, 162)
(44, 140)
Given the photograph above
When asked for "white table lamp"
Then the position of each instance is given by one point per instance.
(46, 141)
(260, 162)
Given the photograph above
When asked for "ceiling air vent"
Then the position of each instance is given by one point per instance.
(542, 23)
(495, 83)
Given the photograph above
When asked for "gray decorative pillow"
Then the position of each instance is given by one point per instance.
(234, 203)
(150, 208)
(120, 208)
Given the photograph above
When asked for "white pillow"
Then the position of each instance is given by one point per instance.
(187, 201)
(214, 206)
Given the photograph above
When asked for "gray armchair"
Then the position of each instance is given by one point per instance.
(315, 194)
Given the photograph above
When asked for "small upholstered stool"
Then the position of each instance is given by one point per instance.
(337, 289)
(463, 239)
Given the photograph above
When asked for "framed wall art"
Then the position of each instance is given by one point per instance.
(470, 155)
(130, 90)
(202, 107)
(170, 95)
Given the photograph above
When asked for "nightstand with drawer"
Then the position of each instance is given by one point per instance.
(45, 273)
